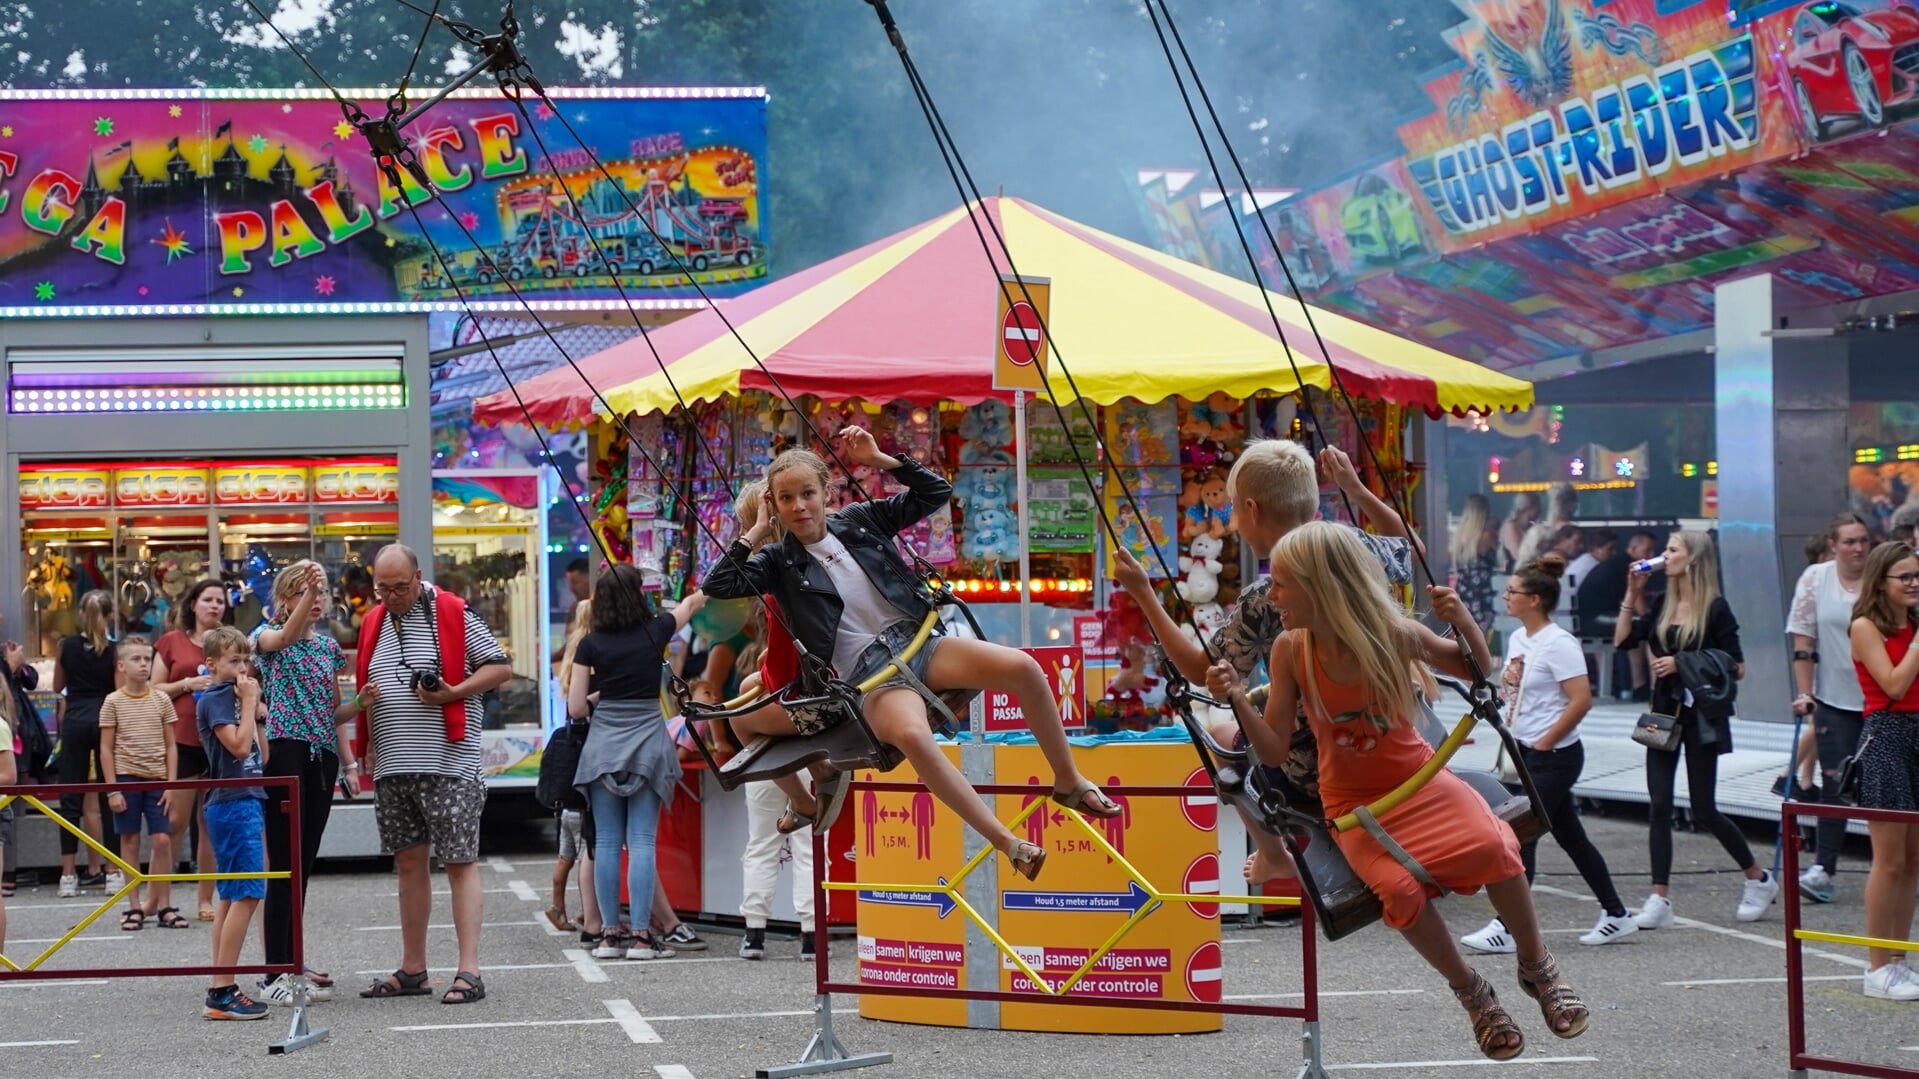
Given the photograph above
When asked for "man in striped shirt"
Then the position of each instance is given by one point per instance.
(424, 660)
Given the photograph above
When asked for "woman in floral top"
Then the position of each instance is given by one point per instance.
(300, 671)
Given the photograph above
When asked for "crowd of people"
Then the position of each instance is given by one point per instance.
(1349, 673)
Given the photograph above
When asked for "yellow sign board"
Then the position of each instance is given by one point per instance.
(1020, 329)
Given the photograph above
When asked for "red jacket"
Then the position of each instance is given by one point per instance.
(780, 663)
(450, 613)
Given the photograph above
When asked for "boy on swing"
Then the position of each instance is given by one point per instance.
(846, 594)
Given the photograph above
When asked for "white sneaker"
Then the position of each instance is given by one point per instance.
(115, 882)
(1609, 929)
(1816, 884)
(1654, 913)
(277, 992)
(69, 887)
(609, 947)
(1492, 940)
(1894, 981)
(1759, 895)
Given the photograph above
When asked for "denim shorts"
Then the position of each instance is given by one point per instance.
(141, 805)
(890, 643)
(572, 823)
(235, 829)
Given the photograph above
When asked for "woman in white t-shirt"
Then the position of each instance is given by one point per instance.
(1820, 623)
(1549, 692)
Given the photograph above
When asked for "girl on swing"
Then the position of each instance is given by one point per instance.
(846, 595)
(1352, 656)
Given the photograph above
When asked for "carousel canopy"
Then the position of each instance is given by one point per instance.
(913, 317)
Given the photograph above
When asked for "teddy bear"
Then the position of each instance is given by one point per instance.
(991, 536)
(1208, 619)
(1211, 513)
(1201, 567)
(989, 424)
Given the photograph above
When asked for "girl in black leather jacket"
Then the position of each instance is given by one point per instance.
(848, 596)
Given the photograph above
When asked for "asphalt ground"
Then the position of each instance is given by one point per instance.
(1703, 999)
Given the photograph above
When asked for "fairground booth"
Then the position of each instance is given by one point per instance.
(1177, 366)
(214, 325)
(1693, 223)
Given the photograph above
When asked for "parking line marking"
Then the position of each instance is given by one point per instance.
(1767, 981)
(53, 984)
(436, 925)
(523, 890)
(741, 1015)
(483, 891)
(551, 929)
(1335, 993)
(29, 1045)
(76, 940)
(625, 1014)
(583, 963)
(499, 864)
(672, 1071)
(515, 1023)
(1476, 1063)
(1737, 934)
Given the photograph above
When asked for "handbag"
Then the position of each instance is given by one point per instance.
(1846, 787)
(1655, 730)
(1503, 762)
(559, 761)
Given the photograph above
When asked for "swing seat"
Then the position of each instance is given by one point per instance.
(1515, 809)
(842, 747)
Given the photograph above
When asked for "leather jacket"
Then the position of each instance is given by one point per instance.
(801, 587)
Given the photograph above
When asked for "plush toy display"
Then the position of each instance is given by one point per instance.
(992, 535)
(1201, 567)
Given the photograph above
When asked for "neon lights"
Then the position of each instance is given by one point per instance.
(316, 397)
(980, 586)
(1593, 485)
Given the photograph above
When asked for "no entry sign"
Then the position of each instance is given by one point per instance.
(1201, 808)
(1019, 348)
(1204, 973)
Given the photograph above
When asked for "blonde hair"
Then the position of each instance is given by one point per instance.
(284, 582)
(96, 610)
(1354, 603)
(1278, 475)
(221, 640)
(576, 631)
(750, 504)
(807, 459)
(1702, 588)
(1473, 521)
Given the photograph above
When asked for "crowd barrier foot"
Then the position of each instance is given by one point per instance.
(299, 1033)
(1309, 1042)
(824, 1053)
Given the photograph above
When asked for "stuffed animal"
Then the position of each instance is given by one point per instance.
(1211, 513)
(990, 424)
(991, 536)
(1209, 618)
(1201, 567)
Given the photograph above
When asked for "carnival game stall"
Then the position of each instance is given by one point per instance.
(1177, 366)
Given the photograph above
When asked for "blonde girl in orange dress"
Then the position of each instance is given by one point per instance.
(1352, 657)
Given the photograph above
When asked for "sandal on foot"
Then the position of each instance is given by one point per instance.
(1027, 858)
(1089, 801)
(205, 915)
(474, 989)
(557, 915)
(133, 921)
(1557, 1001)
(1491, 1024)
(399, 984)
(793, 820)
(171, 918)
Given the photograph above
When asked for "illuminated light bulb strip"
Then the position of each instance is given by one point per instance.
(981, 586)
(322, 397)
(394, 307)
(1608, 485)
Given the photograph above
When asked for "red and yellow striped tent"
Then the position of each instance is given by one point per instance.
(913, 317)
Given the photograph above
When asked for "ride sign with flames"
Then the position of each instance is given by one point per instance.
(1019, 354)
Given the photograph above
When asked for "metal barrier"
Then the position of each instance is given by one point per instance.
(825, 1053)
(299, 1034)
(1798, 1060)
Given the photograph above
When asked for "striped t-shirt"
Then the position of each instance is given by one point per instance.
(409, 736)
(142, 726)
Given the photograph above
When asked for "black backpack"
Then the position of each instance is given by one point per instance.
(558, 761)
(38, 745)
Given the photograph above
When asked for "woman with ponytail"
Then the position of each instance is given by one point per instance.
(83, 671)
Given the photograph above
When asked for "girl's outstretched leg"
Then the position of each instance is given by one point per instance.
(1498, 1036)
(959, 663)
(1566, 1015)
(898, 718)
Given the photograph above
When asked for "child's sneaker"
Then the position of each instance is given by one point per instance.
(807, 949)
(1894, 981)
(69, 887)
(1816, 884)
(1492, 940)
(642, 946)
(1609, 929)
(93, 878)
(1758, 895)
(1654, 913)
(609, 946)
(684, 939)
(230, 1003)
(115, 882)
(753, 944)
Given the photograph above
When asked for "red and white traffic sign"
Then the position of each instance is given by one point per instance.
(1201, 808)
(1205, 974)
(1202, 878)
(1021, 335)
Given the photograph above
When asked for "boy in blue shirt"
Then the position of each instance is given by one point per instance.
(228, 713)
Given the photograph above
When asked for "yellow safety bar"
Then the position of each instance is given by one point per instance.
(134, 878)
(1858, 942)
(952, 890)
(1392, 799)
(912, 649)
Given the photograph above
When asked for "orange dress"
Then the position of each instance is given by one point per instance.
(1446, 826)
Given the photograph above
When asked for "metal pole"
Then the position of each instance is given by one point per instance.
(1025, 521)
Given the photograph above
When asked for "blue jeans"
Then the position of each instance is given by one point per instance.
(632, 821)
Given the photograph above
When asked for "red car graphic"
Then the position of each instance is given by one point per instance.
(1849, 64)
